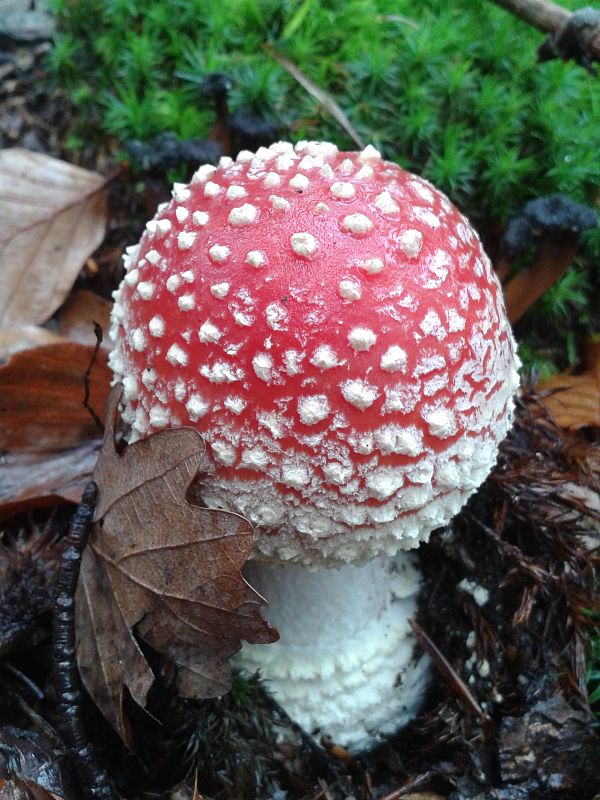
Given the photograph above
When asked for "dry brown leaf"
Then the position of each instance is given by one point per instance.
(41, 398)
(31, 768)
(164, 567)
(21, 789)
(48, 440)
(14, 339)
(575, 403)
(28, 481)
(424, 796)
(77, 316)
(52, 217)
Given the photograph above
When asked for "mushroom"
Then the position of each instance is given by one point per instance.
(333, 328)
(555, 223)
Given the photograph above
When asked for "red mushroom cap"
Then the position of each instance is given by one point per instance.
(333, 328)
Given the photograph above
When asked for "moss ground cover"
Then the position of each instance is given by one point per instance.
(450, 90)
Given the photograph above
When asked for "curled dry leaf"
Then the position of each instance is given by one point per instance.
(163, 567)
(52, 217)
(575, 403)
(20, 789)
(29, 481)
(32, 767)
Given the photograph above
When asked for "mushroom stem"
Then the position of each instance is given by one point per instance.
(502, 268)
(552, 258)
(344, 665)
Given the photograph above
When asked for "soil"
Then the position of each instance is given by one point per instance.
(507, 716)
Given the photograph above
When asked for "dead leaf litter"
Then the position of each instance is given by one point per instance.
(164, 568)
(509, 587)
(61, 221)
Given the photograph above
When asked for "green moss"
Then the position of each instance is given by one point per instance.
(450, 90)
(593, 670)
(535, 362)
(229, 741)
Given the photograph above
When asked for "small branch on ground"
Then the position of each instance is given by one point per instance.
(414, 783)
(86, 378)
(569, 35)
(541, 14)
(455, 682)
(67, 679)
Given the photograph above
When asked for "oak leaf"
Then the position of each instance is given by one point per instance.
(52, 217)
(163, 569)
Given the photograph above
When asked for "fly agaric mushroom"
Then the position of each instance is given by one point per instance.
(332, 327)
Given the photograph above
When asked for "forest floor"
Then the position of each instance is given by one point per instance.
(508, 718)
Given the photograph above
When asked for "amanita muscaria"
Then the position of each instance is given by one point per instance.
(332, 327)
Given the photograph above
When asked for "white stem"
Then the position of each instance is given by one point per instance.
(344, 665)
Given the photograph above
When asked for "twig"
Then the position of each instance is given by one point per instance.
(569, 35)
(409, 787)
(86, 377)
(33, 688)
(456, 683)
(65, 664)
(38, 721)
(541, 14)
